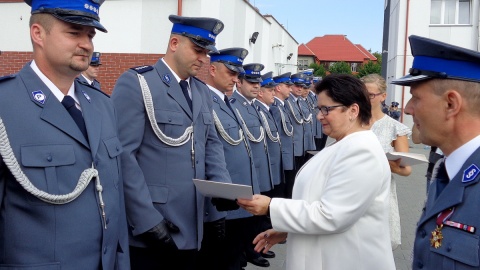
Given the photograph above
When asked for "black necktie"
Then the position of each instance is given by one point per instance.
(225, 98)
(184, 86)
(69, 103)
(441, 177)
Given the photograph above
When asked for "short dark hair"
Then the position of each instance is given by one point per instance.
(347, 90)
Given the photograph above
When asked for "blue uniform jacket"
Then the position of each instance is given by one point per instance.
(288, 160)
(317, 125)
(459, 249)
(274, 148)
(96, 84)
(158, 177)
(52, 152)
(298, 131)
(259, 149)
(308, 141)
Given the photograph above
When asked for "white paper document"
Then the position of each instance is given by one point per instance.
(223, 190)
(408, 159)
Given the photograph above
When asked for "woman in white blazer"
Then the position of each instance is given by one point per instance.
(338, 215)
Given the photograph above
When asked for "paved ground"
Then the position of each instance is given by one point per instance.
(411, 197)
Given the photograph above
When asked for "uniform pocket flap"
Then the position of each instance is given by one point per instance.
(459, 246)
(47, 155)
(159, 194)
(114, 147)
(169, 117)
(207, 118)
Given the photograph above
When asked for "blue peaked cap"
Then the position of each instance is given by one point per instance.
(83, 12)
(232, 58)
(252, 72)
(267, 80)
(202, 31)
(298, 78)
(95, 59)
(435, 59)
(283, 78)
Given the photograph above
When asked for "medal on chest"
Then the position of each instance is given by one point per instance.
(437, 236)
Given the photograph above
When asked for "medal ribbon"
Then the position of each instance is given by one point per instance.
(444, 215)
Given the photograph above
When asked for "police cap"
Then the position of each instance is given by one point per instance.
(252, 72)
(202, 31)
(267, 80)
(298, 78)
(283, 78)
(82, 12)
(435, 59)
(95, 59)
(231, 57)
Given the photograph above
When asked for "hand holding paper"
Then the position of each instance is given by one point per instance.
(407, 159)
(223, 190)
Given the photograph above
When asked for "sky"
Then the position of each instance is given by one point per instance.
(360, 20)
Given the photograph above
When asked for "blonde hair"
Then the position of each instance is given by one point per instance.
(377, 80)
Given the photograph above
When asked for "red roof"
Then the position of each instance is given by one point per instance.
(304, 50)
(337, 48)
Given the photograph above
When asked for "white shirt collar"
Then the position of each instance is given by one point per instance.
(264, 105)
(87, 79)
(53, 88)
(455, 161)
(216, 91)
(281, 101)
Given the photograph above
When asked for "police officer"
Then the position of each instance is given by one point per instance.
(286, 101)
(312, 99)
(298, 92)
(445, 84)
(222, 76)
(169, 139)
(61, 187)
(90, 75)
(394, 112)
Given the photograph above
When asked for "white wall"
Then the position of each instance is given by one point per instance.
(142, 26)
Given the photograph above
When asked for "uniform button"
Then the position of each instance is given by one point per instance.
(420, 265)
(118, 148)
(423, 233)
(104, 250)
(196, 161)
(49, 158)
(206, 213)
(449, 248)
(169, 120)
(107, 221)
(96, 162)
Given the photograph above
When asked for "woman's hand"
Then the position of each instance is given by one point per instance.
(267, 239)
(257, 206)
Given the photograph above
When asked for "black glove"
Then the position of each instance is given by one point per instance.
(160, 235)
(224, 204)
(216, 229)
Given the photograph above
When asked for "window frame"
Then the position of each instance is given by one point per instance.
(443, 12)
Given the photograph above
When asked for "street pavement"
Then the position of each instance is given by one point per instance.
(411, 198)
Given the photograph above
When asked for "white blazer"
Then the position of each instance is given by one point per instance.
(338, 216)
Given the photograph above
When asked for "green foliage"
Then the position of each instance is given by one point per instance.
(318, 70)
(369, 68)
(340, 68)
(379, 57)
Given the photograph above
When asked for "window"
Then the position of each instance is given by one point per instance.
(450, 12)
(302, 64)
(354, 67)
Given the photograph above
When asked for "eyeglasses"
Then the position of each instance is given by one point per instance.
(326, 109)
(372, 96)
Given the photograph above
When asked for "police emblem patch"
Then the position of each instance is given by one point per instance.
(215, 99)
(470, 173)
(86, 95)
(39, 96)
(166, 79)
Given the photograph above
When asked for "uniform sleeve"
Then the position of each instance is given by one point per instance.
(350, 188)
(128, 102)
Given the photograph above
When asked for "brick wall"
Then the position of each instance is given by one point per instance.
(113, 65)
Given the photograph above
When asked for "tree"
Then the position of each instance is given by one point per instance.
(369, 68)
(318, 70)
(340, 68)
(379, 57)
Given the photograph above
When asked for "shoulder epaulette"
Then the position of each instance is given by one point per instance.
(5, 78)
(142, 69)
(199, 80)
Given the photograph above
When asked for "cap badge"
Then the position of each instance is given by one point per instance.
(39, 96)
(218, 27)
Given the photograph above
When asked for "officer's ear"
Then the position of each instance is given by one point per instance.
(174, 42)
(37, 33)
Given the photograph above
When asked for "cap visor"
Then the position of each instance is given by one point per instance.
(254, 80)
(409, 79)
(204, 45)
(81, 20)
(238, 69)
